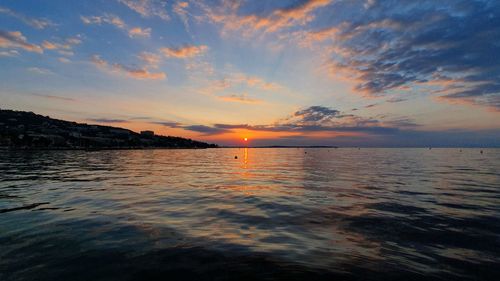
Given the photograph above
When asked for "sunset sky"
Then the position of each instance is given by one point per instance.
(302, 72)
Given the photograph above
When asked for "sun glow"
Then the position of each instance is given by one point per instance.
(245, 139)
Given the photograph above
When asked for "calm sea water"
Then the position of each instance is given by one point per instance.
(285, 214)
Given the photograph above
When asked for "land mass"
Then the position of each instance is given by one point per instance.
(27, 130)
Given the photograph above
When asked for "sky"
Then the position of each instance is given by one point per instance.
(291, 72)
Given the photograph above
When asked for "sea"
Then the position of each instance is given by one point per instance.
(250, 214)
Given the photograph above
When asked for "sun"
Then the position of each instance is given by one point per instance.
(245, 139)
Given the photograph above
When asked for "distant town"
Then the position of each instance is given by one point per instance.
(27, 130)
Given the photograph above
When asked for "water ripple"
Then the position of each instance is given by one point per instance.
(368, 214)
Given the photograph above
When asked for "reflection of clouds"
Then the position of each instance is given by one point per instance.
(329, 208)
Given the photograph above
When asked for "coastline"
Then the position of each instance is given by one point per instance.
(5, 148)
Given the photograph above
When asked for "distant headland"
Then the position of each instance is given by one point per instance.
(27, 130)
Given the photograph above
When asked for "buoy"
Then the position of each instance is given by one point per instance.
(481, 152)
(235, 157)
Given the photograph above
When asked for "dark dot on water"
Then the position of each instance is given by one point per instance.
(235, 157)
(481, 152)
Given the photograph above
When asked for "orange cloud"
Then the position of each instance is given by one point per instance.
(64, 47)
(139, 32)
(180, 9)
(15, 39)
(309, 38)
(239, 98)
(137, 73)
(152, 60)
(187, 51)
(277, 20)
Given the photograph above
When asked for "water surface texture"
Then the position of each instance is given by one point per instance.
(273, 214)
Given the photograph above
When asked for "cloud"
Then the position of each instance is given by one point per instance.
(402, 123)
(230, 15)
(309, 38)
(316, 114)
(15, 39)
(9, 53)
(139, 32)
(252, 81)
(206, 130)
(187, 51)
(54, 97)
(168, 124)
(402, 138)
(63, 48)
(106, 18)
(315, 119)
(66, 52)
(148, 8)
(180, 8)
(447, 48)
(225, 88)
(106, 120)
(150, 59)
(241, 98)
(396, 99)
(42, 71)
(134, 32)
(64, 60)
(236, 79)
(134, 72)
(38, 23)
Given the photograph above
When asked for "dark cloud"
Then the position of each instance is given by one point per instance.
(402, 123)
(234, 126)
(168, 124)
(395, 100)
(206, 130)
(106, 120)
(141, 118)
(54, 97)
(451, 45)
(15, 39)
(311, 119)
(316, 114)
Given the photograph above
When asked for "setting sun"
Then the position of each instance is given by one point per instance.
(245, 139)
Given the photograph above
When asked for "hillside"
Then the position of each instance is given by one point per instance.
(19, 129)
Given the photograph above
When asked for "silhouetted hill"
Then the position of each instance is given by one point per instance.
(20, 129)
